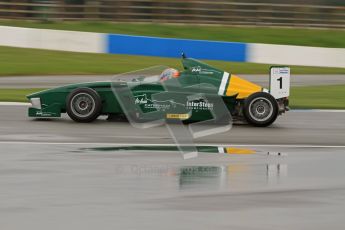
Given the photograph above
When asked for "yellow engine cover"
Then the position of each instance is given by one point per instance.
(241, 87)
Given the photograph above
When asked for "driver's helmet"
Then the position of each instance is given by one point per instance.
(169, 74)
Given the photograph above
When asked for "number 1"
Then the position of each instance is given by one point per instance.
(280, 82)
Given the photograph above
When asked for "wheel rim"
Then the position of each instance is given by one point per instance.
(261, 109)
(82, 105)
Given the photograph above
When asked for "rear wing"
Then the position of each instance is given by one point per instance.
(279, 81)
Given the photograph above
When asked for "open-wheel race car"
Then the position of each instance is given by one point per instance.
(244, 100)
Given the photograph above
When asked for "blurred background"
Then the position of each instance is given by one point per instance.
(311, 33)
(307, 13)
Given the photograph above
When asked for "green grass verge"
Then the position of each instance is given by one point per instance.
(21, 61)
(289, 36)
(16, 95)
(320, 97)
(310, 97)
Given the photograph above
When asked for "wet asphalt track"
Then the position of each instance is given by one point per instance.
(49, 181)
(295, 127)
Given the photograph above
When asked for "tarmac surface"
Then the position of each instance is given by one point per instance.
(53, 177)
(300, 127)
(54, 81)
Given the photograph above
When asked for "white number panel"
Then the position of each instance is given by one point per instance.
(280, 82)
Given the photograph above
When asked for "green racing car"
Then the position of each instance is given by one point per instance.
(188, 95)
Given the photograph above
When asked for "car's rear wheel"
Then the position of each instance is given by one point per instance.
(260, 109)
(83, 105)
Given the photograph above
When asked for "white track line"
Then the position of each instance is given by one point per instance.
(146, 144)
(14, 103)
(319, 110)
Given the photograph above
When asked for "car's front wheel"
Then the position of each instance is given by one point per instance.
(260, 109)
(83, 105)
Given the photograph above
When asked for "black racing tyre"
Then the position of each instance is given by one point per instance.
(83, 105)
(260, 109)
